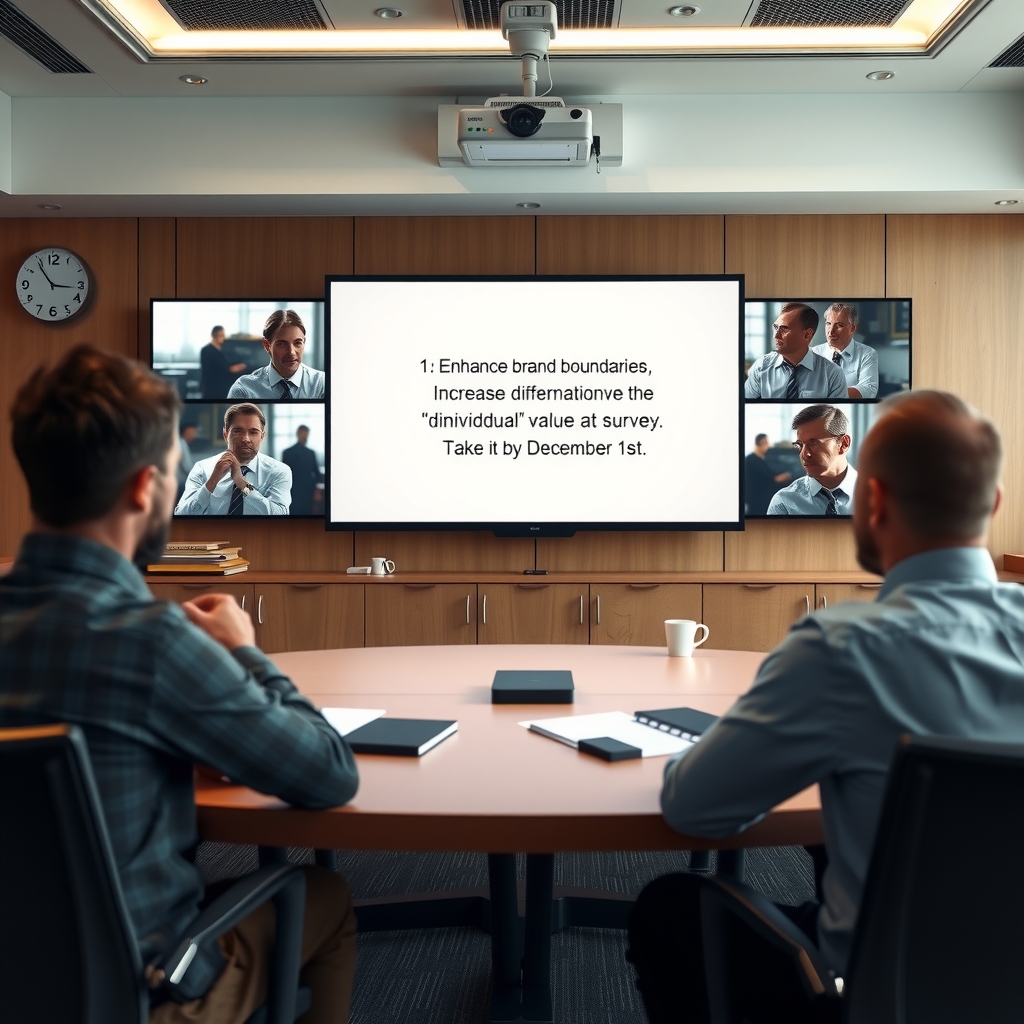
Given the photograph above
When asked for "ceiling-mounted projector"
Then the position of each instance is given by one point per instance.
(528, 130)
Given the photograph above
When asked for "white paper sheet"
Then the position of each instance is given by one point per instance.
(347, 720)
(615, 724)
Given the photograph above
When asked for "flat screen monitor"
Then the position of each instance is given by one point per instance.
(232, 372)
(535, 406)
(815, 371)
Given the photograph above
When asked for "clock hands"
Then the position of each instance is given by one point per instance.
(47, 276)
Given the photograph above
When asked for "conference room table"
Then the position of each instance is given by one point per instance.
(496, 788)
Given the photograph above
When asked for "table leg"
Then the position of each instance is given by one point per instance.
(506, 993)
(731, 863)
(540, 876)
(326, 859)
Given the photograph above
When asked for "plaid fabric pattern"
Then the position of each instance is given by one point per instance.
(83, 641)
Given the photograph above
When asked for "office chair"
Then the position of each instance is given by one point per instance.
(68, 953)
(934, 944)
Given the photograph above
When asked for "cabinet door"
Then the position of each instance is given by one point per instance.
(412, 614)
(178, 592)
(308, 617)
(829, 594)
(534, 613)
(635, 613)
(753, 616)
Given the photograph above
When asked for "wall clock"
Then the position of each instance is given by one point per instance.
(53, 284)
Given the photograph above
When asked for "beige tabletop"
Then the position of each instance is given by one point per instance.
(493, 786)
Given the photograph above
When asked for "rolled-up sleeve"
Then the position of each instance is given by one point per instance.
(195, 501)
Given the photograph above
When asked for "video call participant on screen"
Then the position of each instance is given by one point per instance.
(286, 376)
(823, 439)
(761, 481)
(305, 473)
(216, 376)
(859, 362)
(830, 702)
(793, 371)
(155, 686)
(241, 481)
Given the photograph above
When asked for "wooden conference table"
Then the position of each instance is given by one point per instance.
(498, 789)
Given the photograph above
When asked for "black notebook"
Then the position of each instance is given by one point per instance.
(530, 686)
(684, 722)
(407, 737)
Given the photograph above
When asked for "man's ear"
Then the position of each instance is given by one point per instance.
(844, 444)
(266, 345)
(879, 506)
(140, 489)
(999, 499)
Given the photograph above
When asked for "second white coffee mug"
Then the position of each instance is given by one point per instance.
(382, 566)
(680, 634)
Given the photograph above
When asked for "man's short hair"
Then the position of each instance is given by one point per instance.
(214, 330)
(302, 426)
(81, 429)
(834, 420)
(843, 309)
(940, 461)
(282, 318)
(808, 318)
(760, 438)
(244, 409)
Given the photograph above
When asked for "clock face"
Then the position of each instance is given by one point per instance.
(53, 284)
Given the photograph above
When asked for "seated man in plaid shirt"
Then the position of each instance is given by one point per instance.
(155, 686)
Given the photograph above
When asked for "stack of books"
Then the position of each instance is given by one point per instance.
(200, 558)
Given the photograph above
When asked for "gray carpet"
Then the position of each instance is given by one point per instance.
(442, 975)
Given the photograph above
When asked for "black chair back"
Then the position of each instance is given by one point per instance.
(67, 948)
(938, 940)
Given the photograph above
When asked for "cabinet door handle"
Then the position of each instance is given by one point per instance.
(644, 586)
(581, 610)
(259, 610)
(483, 615)
(241, 601)
(759, 586)
(197, 586)
(306, 586)
(468, 596)
(533, 586)
(869, 586)
(420, 586)
(824, 601)
(598, 602)
(807, 604)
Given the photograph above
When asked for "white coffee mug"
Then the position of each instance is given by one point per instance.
(679, 635)
(383, 566)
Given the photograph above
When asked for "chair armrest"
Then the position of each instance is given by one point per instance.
(761, 915)
(226, 911)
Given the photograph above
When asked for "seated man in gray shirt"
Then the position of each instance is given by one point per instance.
(940, 652)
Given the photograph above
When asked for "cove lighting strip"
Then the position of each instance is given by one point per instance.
(152, 34)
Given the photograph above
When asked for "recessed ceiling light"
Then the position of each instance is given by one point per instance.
(881, 76)
(193, 79)
(528, 206)
(686, 11)
(389, 13)
(54, 206)
(999, 202)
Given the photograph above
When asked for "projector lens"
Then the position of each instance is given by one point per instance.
(523, 120)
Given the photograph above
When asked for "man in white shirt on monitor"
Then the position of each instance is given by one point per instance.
(823, 439)
(286, 377)
(240, 481)
(859, 362)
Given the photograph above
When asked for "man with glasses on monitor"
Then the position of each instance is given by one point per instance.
(823, 440)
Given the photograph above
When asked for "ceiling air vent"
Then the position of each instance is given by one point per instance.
(211, 15)
(571, 13)
(1011, 57)
(39, 45)
(827, 13)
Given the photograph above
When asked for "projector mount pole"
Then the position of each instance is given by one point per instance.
(529, 28)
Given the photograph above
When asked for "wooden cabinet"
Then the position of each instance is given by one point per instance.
(409, 614)
(534, 613)
(307, 616)
(635, 613)
(178, 592)
(753, 616)
(829, 594)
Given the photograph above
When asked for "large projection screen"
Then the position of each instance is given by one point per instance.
(535, 406)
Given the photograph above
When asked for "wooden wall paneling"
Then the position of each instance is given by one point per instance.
(630, 245)
(275, 544)
(261, 257)
(444, 245)
(808, 256)
(792, 546)
(632, 551)
(443, 551)
(157, 271)
(965, 275)
(110, 321)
